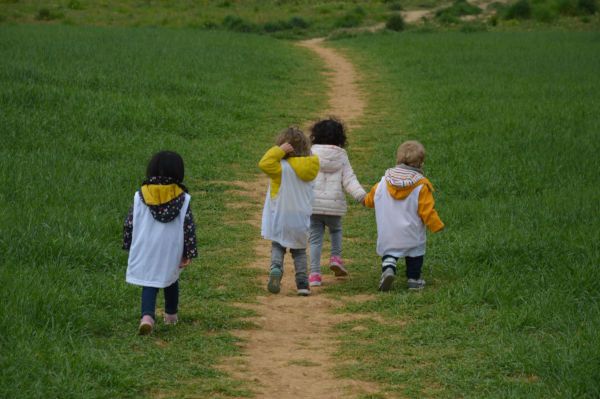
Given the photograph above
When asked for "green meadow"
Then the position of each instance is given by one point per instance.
(511, 125)
(81, 112)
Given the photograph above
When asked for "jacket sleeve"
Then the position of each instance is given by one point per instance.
(426, 210)
(270, 163)
(370, 198)
(128, 229)
(190, 249)
(351, 184)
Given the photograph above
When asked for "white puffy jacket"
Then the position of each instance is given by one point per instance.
(335, 176)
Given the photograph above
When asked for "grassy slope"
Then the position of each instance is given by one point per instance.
(510, 123)
(82, 110)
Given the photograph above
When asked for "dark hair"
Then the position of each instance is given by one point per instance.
(166, 164)
(329, 131)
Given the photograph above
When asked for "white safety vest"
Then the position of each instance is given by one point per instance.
(156, 247)
(286, 218)
(399, 226)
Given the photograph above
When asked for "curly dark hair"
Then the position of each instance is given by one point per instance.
(329, 131)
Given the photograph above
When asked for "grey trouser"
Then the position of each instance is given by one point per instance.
(299, 256)
(317, 231)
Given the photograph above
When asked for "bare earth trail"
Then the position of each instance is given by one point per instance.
(289, 355)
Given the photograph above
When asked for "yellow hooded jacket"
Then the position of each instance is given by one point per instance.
(306, 168)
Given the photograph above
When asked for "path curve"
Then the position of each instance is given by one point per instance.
(290, 354)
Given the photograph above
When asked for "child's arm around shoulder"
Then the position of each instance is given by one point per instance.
(426, 209)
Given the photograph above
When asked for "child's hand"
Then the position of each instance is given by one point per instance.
(185, 262)
(287, 148)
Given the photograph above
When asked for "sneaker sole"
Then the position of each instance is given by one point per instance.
(145, 329)
(386, 284)
(303, 292)
(315, 283)
(338, 271)
(274, 285)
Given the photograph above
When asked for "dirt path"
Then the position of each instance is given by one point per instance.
(290, 354)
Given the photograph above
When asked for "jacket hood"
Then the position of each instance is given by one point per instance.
(164, 198)
(402, 179)
(331, 157)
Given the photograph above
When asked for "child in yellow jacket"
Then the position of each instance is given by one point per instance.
(288, 204)
(404, 207)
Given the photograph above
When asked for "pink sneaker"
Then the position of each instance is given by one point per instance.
(314, 279)
(171, 318)
(146, 325)
(337, 266)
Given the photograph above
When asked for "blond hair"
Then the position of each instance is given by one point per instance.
(411, 153)
(297, 139)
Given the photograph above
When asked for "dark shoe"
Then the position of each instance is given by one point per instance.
(274, 284)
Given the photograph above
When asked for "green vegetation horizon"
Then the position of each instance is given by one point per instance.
(297, 19)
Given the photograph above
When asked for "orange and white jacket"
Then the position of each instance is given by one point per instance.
(404, 207)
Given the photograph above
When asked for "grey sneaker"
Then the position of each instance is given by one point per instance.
(303, 291)
(416, 284)
(274, 284)
(387, 278)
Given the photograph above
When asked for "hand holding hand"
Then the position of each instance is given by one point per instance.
(185, 262)
(286, 147)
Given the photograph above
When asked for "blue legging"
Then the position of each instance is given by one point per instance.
(149, 299)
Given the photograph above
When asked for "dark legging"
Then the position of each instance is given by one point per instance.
(413, 265)
(149, 299)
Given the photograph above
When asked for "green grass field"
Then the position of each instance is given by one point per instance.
(81, 112)
(511, 125)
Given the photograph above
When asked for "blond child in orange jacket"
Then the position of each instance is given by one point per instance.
(404, 207)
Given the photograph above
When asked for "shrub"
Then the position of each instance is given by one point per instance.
(238, 24)
(74, 5)
(567, 7)
(299, 22)
(396, 23)
(395, 6)
(351, 19)
(587, 6)
(544, 13)
(458, 9)
(519, 10)
(45, 14)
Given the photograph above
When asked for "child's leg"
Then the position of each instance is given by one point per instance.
(413, 272)
(172, 298)
(335, 232)
(299, 256)
(148, 309)
(317, 230)
(413, 267)
(277, 254)
(388, 272)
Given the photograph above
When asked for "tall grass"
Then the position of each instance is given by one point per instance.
(81, 112)
(510, 123)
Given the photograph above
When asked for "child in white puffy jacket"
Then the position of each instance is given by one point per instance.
(335, 176)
